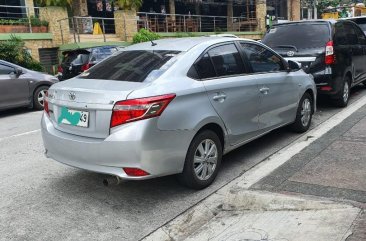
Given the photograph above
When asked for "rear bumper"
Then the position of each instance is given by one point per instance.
(324, 81)
(137, 145)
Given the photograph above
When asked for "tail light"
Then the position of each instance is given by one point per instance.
(45, 104)
(85, 67)
(329, 53)
(135, 172)
(139, 109)
(60, 69)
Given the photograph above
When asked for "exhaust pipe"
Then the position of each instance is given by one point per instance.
(112, 181)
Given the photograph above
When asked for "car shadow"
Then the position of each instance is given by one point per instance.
(15, 111)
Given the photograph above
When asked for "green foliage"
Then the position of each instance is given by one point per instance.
(58, 3)
(24, 21)
(13, 51)
(21, 21)
(129, 4)
(145, 35)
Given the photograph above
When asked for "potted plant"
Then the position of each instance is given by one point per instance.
(36, 24)
(44, 26)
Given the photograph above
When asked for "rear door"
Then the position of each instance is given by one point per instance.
(14, 90)
(278, 90)
(232, 92)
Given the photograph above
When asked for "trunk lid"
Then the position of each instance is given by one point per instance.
(311, 59)
(84, 106)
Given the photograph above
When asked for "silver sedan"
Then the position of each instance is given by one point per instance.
(174, 106)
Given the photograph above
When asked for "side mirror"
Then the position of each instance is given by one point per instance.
(293, 66)
(18, 72)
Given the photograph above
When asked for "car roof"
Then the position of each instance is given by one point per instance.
(331, 21)
(180, 44)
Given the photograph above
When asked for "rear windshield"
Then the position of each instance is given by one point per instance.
(298, 35)
(76, 58)
(102, 53)
(133, 66)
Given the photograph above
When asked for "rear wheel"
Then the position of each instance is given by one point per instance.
(203, 160)
(304, 114)
(38, 97)
(342, 98)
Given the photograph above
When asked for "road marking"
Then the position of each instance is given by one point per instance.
(21, 134)
(264, 168)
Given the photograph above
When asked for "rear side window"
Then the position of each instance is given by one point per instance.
(226, 60)
(301, 36)
(340, 36)
(261, 59)
(205, 68)
(133, 66)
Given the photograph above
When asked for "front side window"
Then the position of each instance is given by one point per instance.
(226, 60)
(261, 59)
(5, 70)
(132, 66)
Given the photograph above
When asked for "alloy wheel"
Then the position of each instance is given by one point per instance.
(205, 159)
(41, 96)
(305, 112)
(345, 92)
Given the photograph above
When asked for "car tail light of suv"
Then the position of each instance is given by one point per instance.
(85, 67)
(329, 53)
(139, 109)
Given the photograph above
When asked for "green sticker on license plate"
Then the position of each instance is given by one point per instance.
(73, 117)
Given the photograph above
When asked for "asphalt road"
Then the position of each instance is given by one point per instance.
(44, 200)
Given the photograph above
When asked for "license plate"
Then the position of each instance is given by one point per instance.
(74, 117)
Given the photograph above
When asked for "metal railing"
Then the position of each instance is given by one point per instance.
(20, 19)
(158, 22)
(81, 28)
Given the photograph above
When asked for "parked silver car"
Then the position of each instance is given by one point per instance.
(174, 106)
(22, 87)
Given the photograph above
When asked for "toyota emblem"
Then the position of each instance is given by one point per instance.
(290, 53)
(72, 96)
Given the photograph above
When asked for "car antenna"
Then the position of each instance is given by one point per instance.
(147, 36)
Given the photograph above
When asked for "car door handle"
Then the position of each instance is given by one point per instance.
(219, 97)
(264, 90)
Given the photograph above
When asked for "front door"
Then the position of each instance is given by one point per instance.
(277, 88)
(232, 93)
(14, 90)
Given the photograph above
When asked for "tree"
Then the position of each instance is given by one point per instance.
(58, 3)
(129, 4)
(14, 51)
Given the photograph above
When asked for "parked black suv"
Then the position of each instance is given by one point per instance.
(77, 61)
(333, 51)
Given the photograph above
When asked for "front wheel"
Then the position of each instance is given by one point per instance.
(203, 160)
(38, 97)
(304, 114)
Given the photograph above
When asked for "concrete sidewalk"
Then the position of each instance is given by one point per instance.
(314, 189)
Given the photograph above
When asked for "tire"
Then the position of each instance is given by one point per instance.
(364, 83)
(38, 97)
(304, 114)
(341, 100)
(200, 174)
